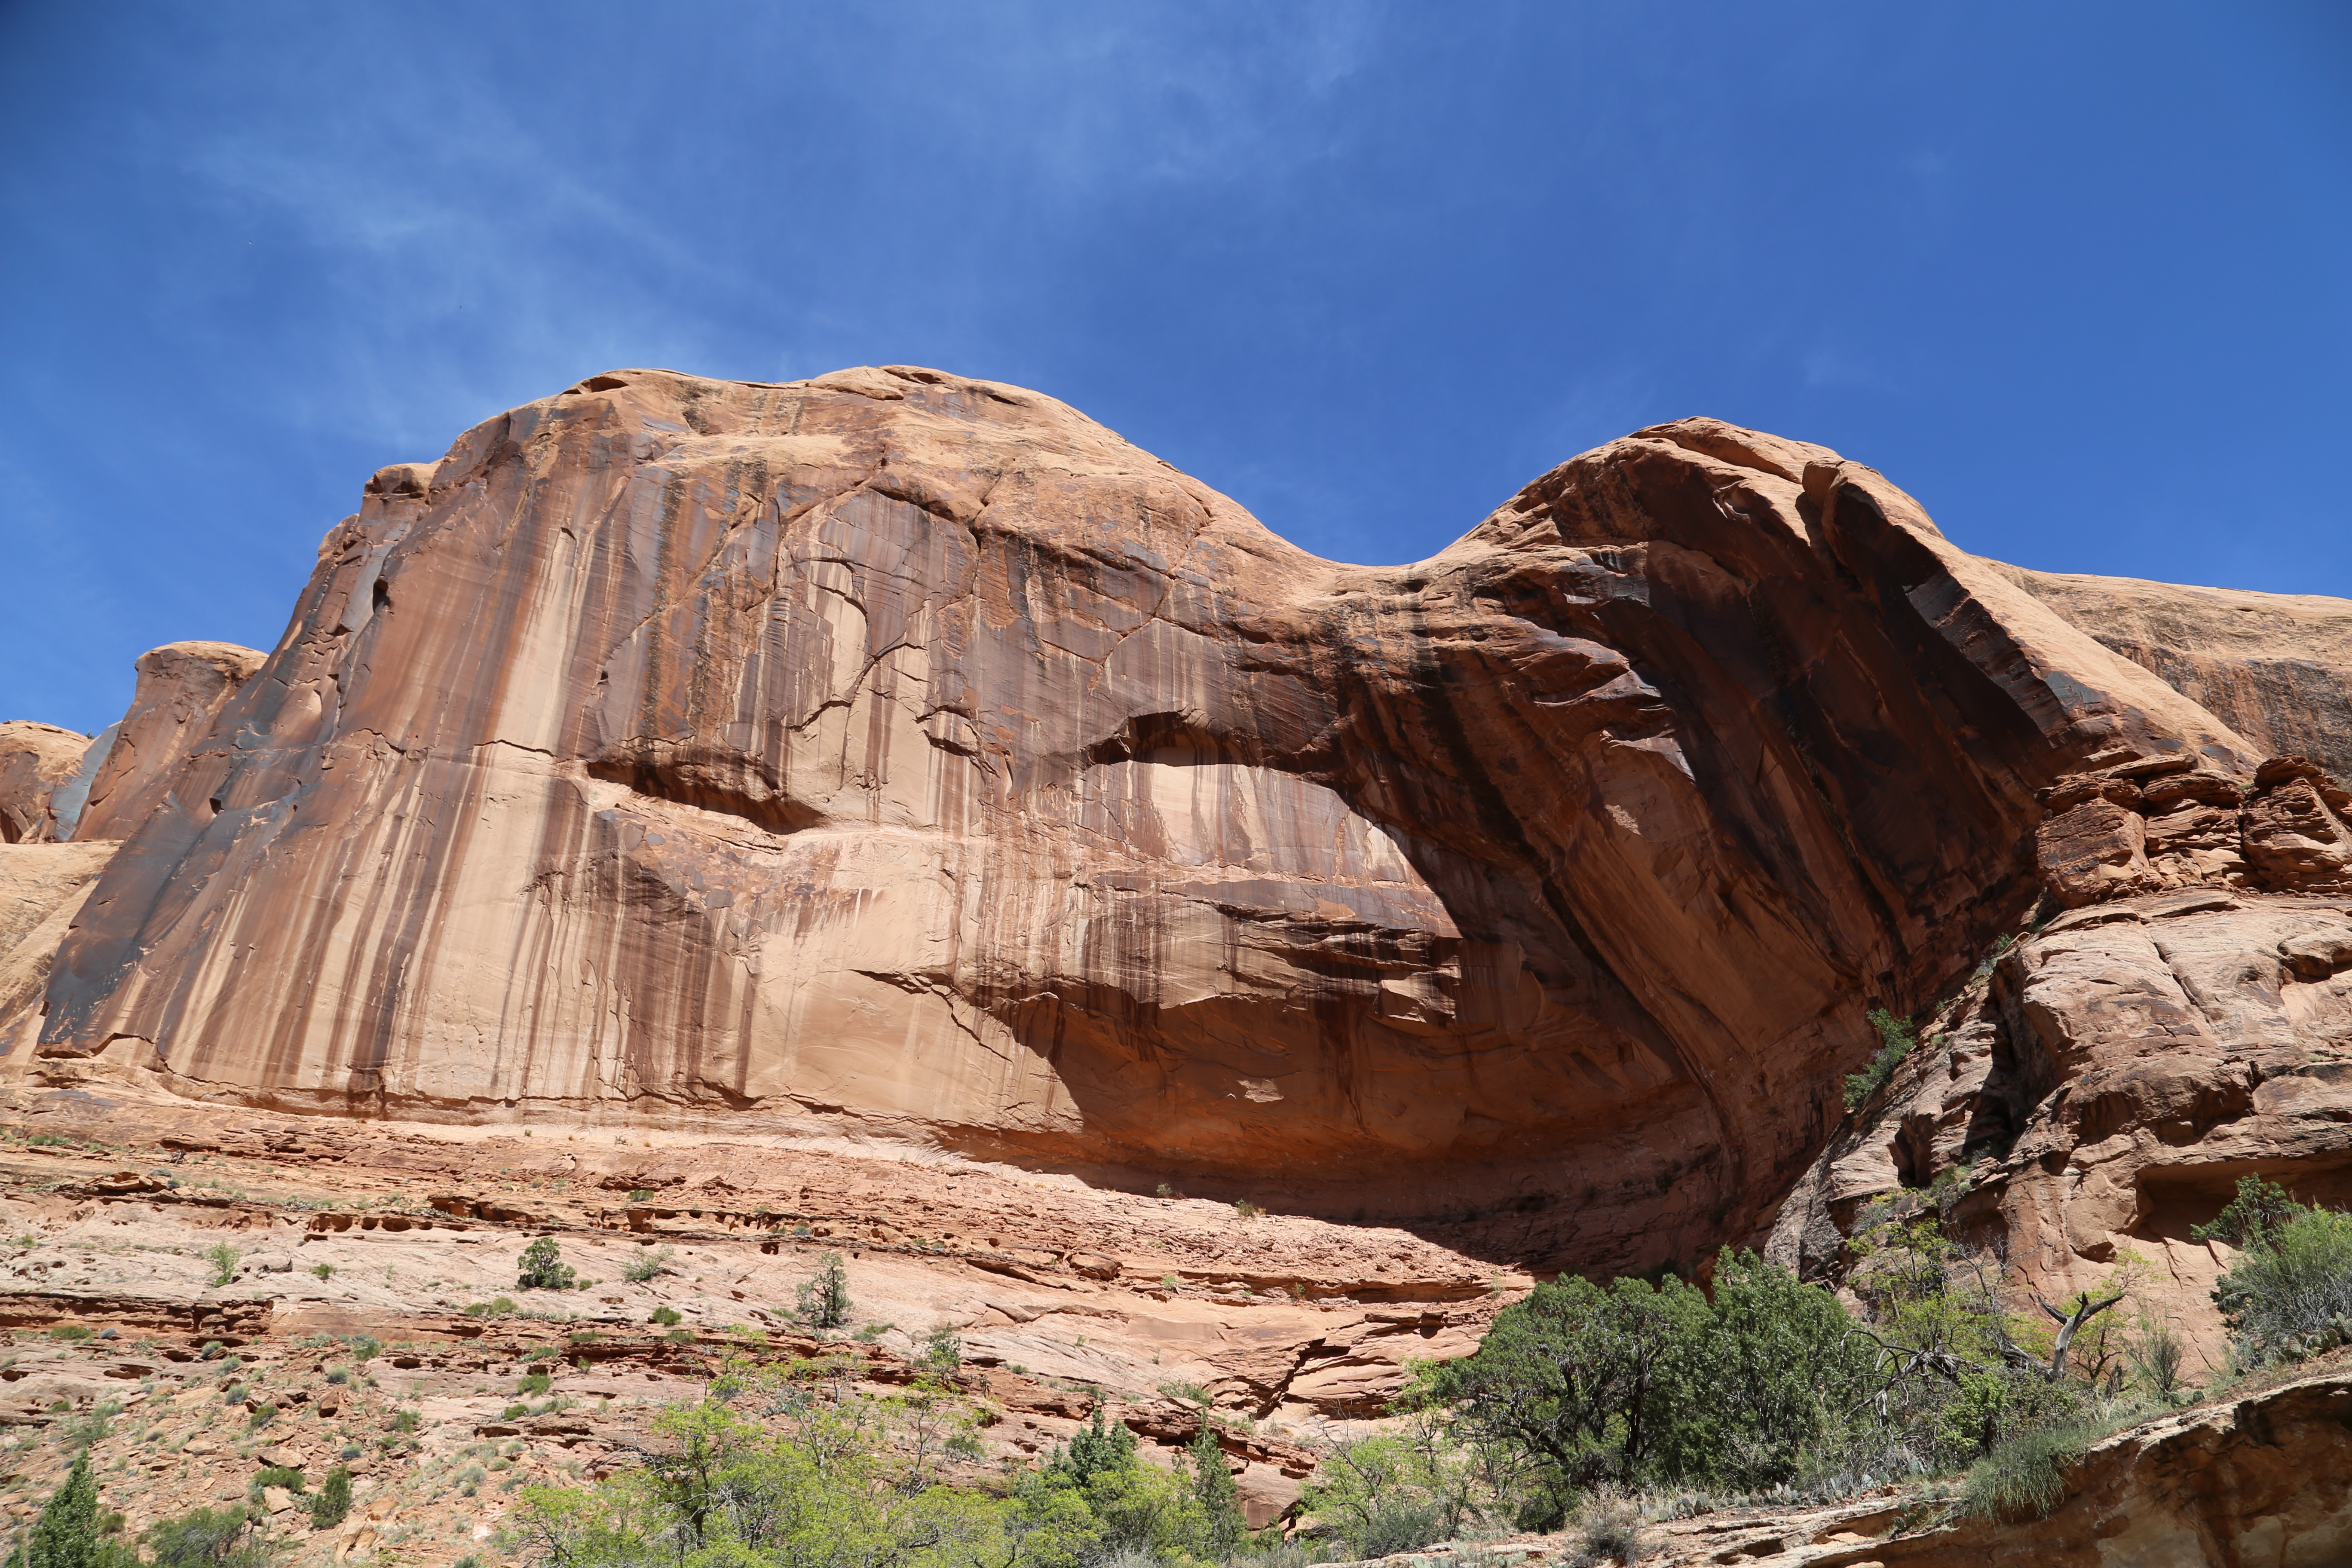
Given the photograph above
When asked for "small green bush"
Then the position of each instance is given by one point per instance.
(207, 1538)
(1247, 1209)
(284, 1476)
(533, 1383)
(825, 1297)
(405, 1420)
(2290, 1293)
(323, 1270)
(668, 1317)
(541, 1268)
(335, 1499)
(70, 1332)
(2260, 1208)
(1896, 1038)
(2026, 1475)
(365, 1347)
(1608, 1529)
(647, 1264)
(224, 1259)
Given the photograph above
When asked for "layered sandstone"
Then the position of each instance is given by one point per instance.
(902, 754)
(36, 761)
(2275, 668)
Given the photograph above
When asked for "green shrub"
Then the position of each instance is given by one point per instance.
(71, 1333)
(333, 1501)
(2025, 1475)
(2289, 1294)
(207, 1538)
(323, 1270)
(647, 1264)
(365, 1348)
(224, 1259)
(405, 1420)
(1392, 1493)
(1608, 1529)
(533, 1383)
(825, 1297)
(2249, 1218)
(668, 1317)
(943, 1348)
(67, 1534)
(284, 1476)
(1896, 1038)
(2156, 1354)
(1247, 1209)
(541, 1268)
(1630, 1384)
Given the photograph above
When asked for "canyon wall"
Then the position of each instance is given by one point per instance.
(910, 756)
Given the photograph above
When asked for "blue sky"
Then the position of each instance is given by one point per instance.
(2078, 276)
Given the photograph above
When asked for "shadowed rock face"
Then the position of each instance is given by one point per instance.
(906, 754)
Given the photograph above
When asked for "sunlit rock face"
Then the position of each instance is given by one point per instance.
(2276, 667)
(910, 756)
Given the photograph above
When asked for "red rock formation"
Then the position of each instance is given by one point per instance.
(908, 754)
(34, 760)
(182, 686)
(2275, 668)
(2187, 1021)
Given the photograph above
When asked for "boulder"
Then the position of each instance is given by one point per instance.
(35, 760)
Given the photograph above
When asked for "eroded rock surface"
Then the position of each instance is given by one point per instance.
(901, 753)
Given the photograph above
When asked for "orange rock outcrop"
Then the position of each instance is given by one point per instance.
(910, 755)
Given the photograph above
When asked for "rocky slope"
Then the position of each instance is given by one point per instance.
(115, 1213)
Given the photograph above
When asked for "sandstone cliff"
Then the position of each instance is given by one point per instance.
(911, 755)
(2275, 668)
(812, 791)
